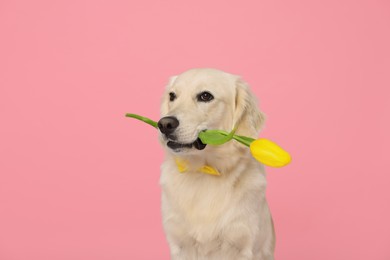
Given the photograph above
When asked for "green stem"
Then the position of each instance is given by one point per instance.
(243, 139)
(239, 138)
(144, 119)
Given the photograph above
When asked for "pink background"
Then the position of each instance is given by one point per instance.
(78, 180)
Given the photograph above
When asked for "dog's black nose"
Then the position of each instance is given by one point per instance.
(168, 124)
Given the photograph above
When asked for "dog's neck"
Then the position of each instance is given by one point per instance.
(214, 162)
(184, 166)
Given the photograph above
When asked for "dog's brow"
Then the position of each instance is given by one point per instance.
(203, 91)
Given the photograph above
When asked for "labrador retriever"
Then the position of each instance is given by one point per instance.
(213, 197)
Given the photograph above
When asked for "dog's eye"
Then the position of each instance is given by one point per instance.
(172, 96)
(205, 97)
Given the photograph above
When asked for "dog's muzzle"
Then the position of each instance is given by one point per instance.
(196, 144)
(167, 126)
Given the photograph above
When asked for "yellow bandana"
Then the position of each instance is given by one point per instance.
(182, 166)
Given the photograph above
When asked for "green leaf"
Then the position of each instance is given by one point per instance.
(216, 137)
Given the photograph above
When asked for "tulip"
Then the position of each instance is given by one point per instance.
(263, 150)
(269, 153)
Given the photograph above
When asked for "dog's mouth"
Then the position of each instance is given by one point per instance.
(197, 144)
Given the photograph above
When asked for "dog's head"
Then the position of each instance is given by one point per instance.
(201, 99)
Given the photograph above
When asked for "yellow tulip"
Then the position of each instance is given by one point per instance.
(263, 150)
(269, 153)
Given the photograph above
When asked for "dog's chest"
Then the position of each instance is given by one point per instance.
(200, 198)
(196, 198)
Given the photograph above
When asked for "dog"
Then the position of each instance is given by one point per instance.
(213, 197)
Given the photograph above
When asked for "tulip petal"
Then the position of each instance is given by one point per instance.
(269, 153)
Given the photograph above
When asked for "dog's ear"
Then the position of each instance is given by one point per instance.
(164, 100)
(247, 117)
(171, 81)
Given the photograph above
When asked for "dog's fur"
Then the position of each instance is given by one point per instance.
(205, 216)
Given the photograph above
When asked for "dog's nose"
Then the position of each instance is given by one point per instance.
(168, 124)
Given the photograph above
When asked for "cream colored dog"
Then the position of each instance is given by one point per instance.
(223, 215)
